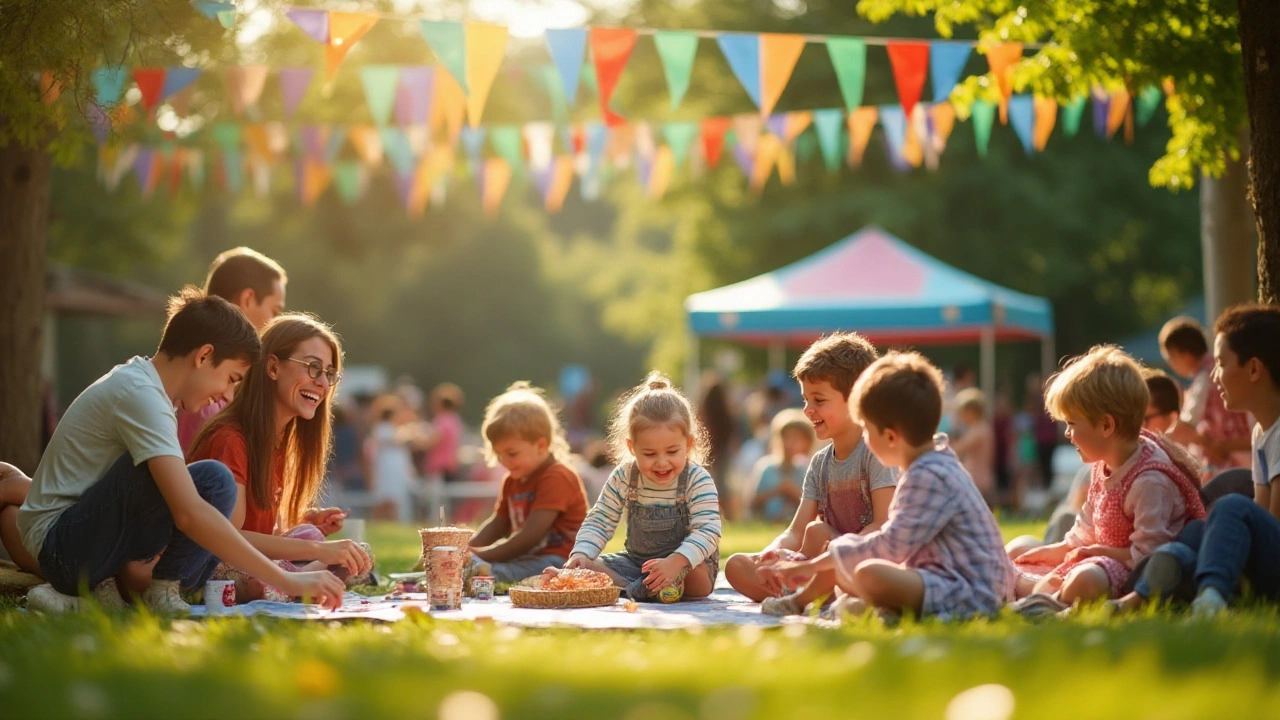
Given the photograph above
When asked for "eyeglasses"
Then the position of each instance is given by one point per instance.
(315, 370)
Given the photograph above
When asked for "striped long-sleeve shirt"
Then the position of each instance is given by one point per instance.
(704, 513)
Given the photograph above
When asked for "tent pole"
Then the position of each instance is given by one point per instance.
(692, 364)
(777, 355)
(987, 362)
(1048, 361)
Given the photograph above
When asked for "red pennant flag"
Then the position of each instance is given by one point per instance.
(150, 84)
(610, 49)
(713, 131)
(910, 67)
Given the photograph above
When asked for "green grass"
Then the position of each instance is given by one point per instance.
(1156, 665)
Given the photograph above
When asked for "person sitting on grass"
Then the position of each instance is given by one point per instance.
(669, 500)
(976, 447)
(846, 489)
(1143, 489)
(939, 553)
(1240, 539)
(542, 502)
(275, 438)
(113, 488)
(1217, 437)
(780, 474)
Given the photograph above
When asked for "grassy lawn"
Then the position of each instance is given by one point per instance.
(1158, 665)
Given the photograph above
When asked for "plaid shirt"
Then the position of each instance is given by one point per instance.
(938, 524)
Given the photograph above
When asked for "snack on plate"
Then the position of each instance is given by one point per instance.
(577, 579)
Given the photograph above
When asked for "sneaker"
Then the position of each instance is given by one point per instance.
(108, 595)
(1208, 603)
(1163, 574)
(781, 606)
(45, 599)
(1038, 606)
(165, 598)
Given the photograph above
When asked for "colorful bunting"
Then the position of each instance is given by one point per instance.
(677, 51)
(861, 122)
(1072, 113)
(610, 50)
(315, 23)
(827, 123)
(1022, 116)
(367, 142)
(713, 132)
(1046, 117)
(223, 12)
(568, 48)
(448, 40)
(506, 141)
(660, 175)
(150, 83)
(473, 144)
(946, 65)
(293, 87)
(485, 47)
(177, 79)
(540, 138)
(244, 85)
(1118, 110)
(450, 107)
(1146, 104)
(493, 186)
(778, 56)
(108, 83)
(1101, 110)
(680, 137)
(347, 181)
(983, 114)
(345, 30)
(397, 148)
(561, 181)
(894, 122)
(849, 58)
(380, 83)
(942, 120)
(910, 68)
(1001, 59)
(765, 158)
(743, 55)
(414, 94)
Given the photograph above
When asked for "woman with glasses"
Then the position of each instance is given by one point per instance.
(275, 436)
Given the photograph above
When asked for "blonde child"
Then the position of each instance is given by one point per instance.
(939, 553)
(780, 475)
(1142, 491)
(976, 447)
(542, 502)
(670, 501)
(846, 489)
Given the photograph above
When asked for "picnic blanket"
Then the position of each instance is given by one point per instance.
(723, 607)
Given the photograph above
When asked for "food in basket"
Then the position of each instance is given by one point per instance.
(576, 579)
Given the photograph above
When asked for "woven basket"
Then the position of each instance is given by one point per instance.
(527, 597)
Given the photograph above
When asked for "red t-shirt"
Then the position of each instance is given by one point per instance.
(553, 486)
(226, 445)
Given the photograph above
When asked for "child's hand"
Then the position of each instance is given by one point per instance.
(328, 521)
(321, 587)
(1088, 551)
(787, 573)
(576, 560)
(345, 553)
(1044, 555)
(664, 571)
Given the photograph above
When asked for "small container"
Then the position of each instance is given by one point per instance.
(445, 598)
(409, 586)
(219, 596)
(482, 587)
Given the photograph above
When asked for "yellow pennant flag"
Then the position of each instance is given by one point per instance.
(344, 30)
(664, 167)
(1046, 118)
(367, 142)
(786, 166)
(485, 46)
(561, 181)
(778, 56)
(449, 109)
(767, 152)
(497, 176)
(861, 122)
(943, 116)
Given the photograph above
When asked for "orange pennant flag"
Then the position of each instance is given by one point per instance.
(786, 166)
(778, 56)
(245, 84)
(561, 181)
(1046, 118)
(912, 150)
(767, 152)
(664, 167)
(367, 142)
(315, 178)
(610, 50)
(797, 123)
(861, 122)
(497, 176)
(420, 193)
(449, 109)
(485, 46)
(345, 29)
(259, 144)
(1117, 111)
(1001, 59)
(943, 116)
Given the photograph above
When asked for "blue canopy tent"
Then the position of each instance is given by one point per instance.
(880, 286)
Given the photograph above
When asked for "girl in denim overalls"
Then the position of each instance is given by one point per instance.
(669, 501)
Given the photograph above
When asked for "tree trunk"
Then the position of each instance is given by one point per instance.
(1227, 239)
(1260, 47)
(24, 217)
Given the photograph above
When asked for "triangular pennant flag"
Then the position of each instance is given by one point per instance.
(677, 51)
(1101, 111)
(861, 122)
(315, 178)
(542, 179)
(337, 138)
(561, 181)
(680, 137)
(314, 141)
(413, 96)
(293, 87)
(808, 145)
(1022, 116)
(778, 56)
(1072, 113)
(194, 161)
(346, 179)
(1001, 59)
(1117, 111)
(485, 47)
(245, 84)
(404, 186)
(744, 159)
(610, 50)
(664, 166)
(108, 83)
(920, 138)
(910, 62)
(589, 78)
(143, 167)
(150, 82)
(946, 64)
(713, 132)
(795, 123)
(1046, 117)
(597, 140)
(942, 118)
(849, 58)
(233, 170)
(227, 18)
(506, 141)
(214, 10)
(177, 79)
(397, 148)
(449, 109)
(448, 40)
(380, 83)
(345, 30)
(1147, 102)
(315, 23)
(540, 138)
(227, 136)
(764, 159)
(367, 142)
(568, 47)
(827, 123)
(549, 78)
(983, 114)
(894, 122)
(747, 128)
(494, 181)
(777, 124)
(259, 145)
(473, 144)
(743, 54)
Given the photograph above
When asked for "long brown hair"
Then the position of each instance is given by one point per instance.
(304, 446)
(655, 402)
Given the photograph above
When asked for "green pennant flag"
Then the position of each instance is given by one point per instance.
(508, 144)
(983, 114)
(380, 82)
(677, 50)
(549, 77)
(227, 135)
(346, 178)
(807, 147)
(1072, 112)
(589, 77)
(449, 42)
(1146, 103)
(680, 137)
(828, 125)
(849, 58)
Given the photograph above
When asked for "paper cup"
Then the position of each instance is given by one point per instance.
(219, 596)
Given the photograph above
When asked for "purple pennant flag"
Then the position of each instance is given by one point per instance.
(98, 122)
(1101, 109)
(142, 167)
(745, 162)
(313, 141)
(413, 96)
(404, 185)
(543, 179)
(293, 87)
(778, 125)
(313, 22)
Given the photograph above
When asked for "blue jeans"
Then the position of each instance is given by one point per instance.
(123, 518)
(1241, 540)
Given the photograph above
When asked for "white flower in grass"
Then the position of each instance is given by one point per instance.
(984, 702)
(468, 705)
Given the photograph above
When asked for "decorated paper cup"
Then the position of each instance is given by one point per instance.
(482, 587)
(219, 596)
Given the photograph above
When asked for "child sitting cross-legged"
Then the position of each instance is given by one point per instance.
(939, 553)
(669, 500)
(1143, 489)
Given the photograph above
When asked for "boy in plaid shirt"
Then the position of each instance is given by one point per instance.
(940, 552)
